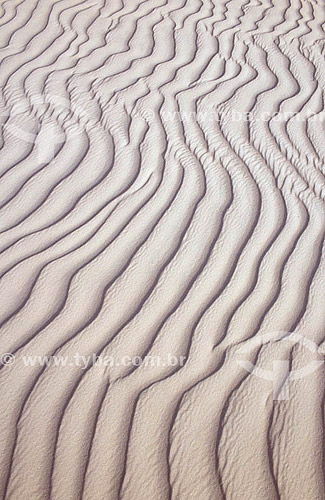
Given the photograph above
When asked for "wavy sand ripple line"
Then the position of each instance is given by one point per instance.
(161, 249)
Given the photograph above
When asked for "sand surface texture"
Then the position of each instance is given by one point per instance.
(162, 249)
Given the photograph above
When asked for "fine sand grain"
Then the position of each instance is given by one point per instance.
(162, 254)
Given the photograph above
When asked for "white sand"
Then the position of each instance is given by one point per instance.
(162, 195)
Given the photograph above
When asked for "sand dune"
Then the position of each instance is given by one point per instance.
(162, 249)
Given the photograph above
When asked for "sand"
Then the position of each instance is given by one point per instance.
(162, 249)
